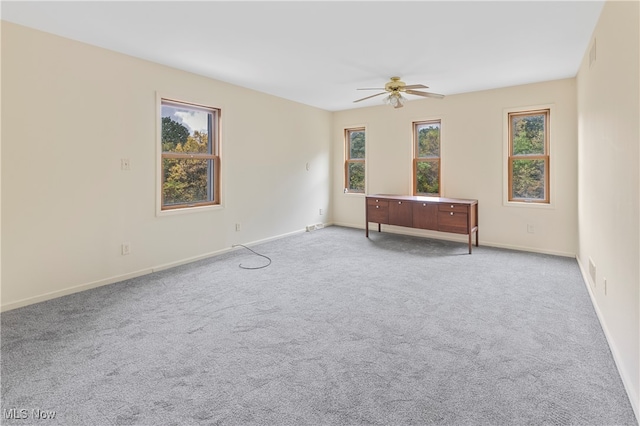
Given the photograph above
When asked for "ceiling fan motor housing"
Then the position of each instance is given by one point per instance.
(394, 85)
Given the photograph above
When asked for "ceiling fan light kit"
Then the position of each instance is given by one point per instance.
(395, 87)
(395, 99)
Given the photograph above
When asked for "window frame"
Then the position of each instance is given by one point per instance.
(348, 160)
(416, 159)
(546, 157)
(214, 136)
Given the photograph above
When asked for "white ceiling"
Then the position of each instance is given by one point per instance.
(319, 53)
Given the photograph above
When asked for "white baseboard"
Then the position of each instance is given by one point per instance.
(529, 249)
(70, 290)
(453, 237)
(111, 280)
(634, 398)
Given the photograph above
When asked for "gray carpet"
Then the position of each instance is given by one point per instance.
(338, 330)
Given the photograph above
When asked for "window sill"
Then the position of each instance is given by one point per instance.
(528, 205)
(187, 210)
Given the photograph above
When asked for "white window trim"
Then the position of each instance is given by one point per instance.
(366, 160)
(158, 140)
(505, 158)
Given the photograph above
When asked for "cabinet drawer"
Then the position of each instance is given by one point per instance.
(451, 221)
(377, 202)
(452, 207)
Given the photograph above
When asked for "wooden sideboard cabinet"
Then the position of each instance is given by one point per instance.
(453, 215)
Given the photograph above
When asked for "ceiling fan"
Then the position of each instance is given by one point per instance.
(395, 87)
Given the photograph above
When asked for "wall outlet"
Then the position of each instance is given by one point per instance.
(238, 227)
(126, 249)
(311, 228)
(125, 164)
(531, 229)
(321, 212)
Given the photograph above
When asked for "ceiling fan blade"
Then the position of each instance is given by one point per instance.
(372, 96)
(416, 86)
(373, 88)
(425, 94)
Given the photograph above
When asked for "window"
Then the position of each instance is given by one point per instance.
(354, 163)
(426, 158)
(190, 155)
(528, 160)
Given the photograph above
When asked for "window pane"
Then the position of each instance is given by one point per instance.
(356, 144)
(356, 176)
(427, 174)
(187, 181)
(428, 140)
(186, 130)
(528, 179)
(528, 134)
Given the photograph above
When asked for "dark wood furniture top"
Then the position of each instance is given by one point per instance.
(455, 215)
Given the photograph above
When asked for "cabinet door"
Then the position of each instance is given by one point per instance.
(425, 216)
(400, 213)
(378, 210)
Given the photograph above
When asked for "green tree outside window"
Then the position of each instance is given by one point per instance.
(355, 160)
(426, 169)
(188, 156)
(529, 156)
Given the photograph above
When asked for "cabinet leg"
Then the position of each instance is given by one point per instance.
(470, 235)
(379, 227)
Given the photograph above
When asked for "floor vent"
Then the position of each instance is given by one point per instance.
(315, 226)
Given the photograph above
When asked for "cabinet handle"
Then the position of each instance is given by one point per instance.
(399, 202)
(377, 207)
(451, 205)
(451, 213)
(377, 201)
(424, 204)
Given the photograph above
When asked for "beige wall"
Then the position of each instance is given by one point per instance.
(72, 111)
(473, 162)
(608, 188)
